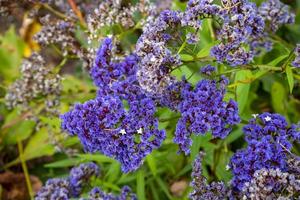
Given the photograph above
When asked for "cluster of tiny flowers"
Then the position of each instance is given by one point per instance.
(80, 175)
(7, 6)
(65, 188)
(104, 125)
(54, 189)
(269, 141)
(296, 62)
(207, 70)
(156, 60)
(276, 13)
(203, 109)
(58, 32)
(116, 78)
(98, 194)
(272, 184)
(110, 12)
(201, 189)
(37, 80)
(241, 27)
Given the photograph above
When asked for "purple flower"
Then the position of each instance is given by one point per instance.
(296, 62)
(276, 13)
(104, 125)
(269, 140)
(201, 189)
(80, 175)
(203, 109)
(97, 194)
(54, 189)
(207, 70)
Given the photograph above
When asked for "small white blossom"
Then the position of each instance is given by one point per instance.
(227, 167)
(122, 131)
(268, 118)
(254, 116)
(140, 131)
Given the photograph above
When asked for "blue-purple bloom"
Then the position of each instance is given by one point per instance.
(296, 62)
(65, 188)
(97, 194)
(54, 189)
(276, 13)
(241, 27)
(155, 59)
(80, 175)
(201, 189)
(207, 70)
(104, 125)
(269, 141)
(203, 109)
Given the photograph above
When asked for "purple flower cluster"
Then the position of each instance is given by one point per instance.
(80, 175)
(115, 78)
(201, 189)
(269, 141)
(276, 13)
(241, 27)
(97, 194)
(55, 188)
(64, 189)
(207, 70)
(156, 59)
(104, 125)
(203, 109)
(296, 62)
(272, 184)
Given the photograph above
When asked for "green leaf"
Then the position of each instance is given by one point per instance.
(234, 135)
(19, 132)
(11, 53)
(242, 90)
(278, 95)
(290, 77)
(221, 171)
(186, 57)
(205, 51)
(152, 164)
(140, 184)
(113, 173)
(96, 157)
(277, 60)
(38, 145)
(164, 187)
(197, 140)
(69, 162)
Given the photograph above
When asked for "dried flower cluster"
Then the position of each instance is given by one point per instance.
(201, 189)
(37, 81)
(269, 140)
(272, 184)
(65, 188)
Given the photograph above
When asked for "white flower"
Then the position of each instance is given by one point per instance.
(227, 167)
(254, 116)
(140, 131)
(268, 118)
(122, 131)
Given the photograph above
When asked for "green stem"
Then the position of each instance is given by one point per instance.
(25, 170)
(291, 55)
(182, 47)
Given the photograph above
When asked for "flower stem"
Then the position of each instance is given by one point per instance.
(25, 170)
